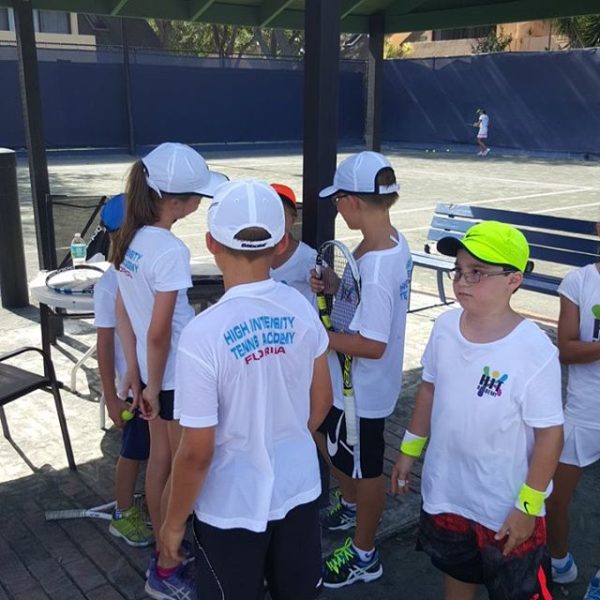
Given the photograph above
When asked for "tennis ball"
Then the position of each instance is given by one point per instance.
(126, 415)
(433, 150)
(447, 149)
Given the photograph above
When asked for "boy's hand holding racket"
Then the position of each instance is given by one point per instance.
(327, 282)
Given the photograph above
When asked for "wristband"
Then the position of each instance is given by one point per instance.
(530, 501)
(412, 445)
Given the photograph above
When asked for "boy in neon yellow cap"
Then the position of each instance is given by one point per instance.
(490, 402)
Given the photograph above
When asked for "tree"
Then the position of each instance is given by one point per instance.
(391, 50)
(493, 42)
(209, 39)
(581, 32)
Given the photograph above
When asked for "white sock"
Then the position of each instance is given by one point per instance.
(559, 563)
(350, 505)
(363, 554)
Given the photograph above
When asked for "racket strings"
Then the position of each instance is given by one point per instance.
(338, 276)
(74, 280)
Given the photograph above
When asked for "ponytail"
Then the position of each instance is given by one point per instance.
(142, 208)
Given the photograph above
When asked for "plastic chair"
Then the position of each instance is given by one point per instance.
(16, 382)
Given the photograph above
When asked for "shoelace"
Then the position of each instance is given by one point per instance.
(341, 556)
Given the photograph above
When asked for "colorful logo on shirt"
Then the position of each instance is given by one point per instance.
(491, 383)
(596, 314)
(259, 337)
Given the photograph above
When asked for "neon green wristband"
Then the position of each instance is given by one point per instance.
(412, 445)
(530, 501)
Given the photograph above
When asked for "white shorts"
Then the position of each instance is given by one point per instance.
(582, 445)
(482, 136)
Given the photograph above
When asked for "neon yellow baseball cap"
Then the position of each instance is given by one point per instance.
(491, 242)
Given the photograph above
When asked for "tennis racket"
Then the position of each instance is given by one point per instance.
(103, 511)
(337, 304)
(77, 280)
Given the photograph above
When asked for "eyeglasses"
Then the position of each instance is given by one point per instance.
(337, 198)
(473, 276)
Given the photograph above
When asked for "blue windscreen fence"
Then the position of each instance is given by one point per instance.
(535, 101)
(188, 99)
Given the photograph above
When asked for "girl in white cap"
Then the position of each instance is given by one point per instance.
(154, 274)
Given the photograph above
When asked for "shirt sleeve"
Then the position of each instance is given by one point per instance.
(172, 270)
(542, 395)
(196, 397)
(105, 313)
(570, 286)
(428, 359)
(373, 317)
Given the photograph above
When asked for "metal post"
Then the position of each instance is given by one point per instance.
(321, 82)
(34, 130)
(13, 276)
(127, 86)
(375, 82)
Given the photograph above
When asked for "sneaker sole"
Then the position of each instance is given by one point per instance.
(343, 527)
(364, 578)
(118, 534)
(564, 579)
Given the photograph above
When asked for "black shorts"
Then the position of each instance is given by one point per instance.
(467, 551)
(365, 459)
(234, 563)
(166, 399)
(135, 439)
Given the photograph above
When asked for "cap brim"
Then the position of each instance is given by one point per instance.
(216, 180)
(449, 246)
(328, 191)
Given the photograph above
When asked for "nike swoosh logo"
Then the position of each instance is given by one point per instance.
(332, 445)
(526, 506)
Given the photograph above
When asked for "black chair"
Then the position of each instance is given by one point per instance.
(16, 382)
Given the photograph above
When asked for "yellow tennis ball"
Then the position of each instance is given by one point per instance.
(126, 415)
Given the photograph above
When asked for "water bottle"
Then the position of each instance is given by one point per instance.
(78, 250)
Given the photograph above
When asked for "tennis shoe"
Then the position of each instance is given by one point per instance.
(179, 585)
(593, 590)
(131, 528)
(344, 567)
(339, 517)
(187, 551)
(566, 574)
(485, 152)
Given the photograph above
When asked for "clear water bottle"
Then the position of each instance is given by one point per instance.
(78, 250)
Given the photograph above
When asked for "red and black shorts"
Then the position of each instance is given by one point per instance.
(468, 552)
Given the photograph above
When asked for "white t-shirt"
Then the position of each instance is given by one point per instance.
(105, 315)
(295, 271)
(484, 122)
(156, 261)
(487, 400)
(380, 316)
(245, 365)
(582, 287)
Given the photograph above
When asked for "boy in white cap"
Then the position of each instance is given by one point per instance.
(363, 191)
(252, 384)
(490, 402)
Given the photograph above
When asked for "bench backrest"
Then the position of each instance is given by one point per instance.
(554, 239)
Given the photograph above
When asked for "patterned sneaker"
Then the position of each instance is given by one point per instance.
(131, 527)
(344, 567)
(339, 517)
(593, 591)
(566, 574)
(180, 585)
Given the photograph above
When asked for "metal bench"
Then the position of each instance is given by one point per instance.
(552, 240)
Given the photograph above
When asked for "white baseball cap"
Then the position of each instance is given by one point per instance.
(240, 204)
(178, 169)
(358, 174)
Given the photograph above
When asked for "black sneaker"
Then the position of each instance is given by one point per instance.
(344, 567)
(339, 517)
